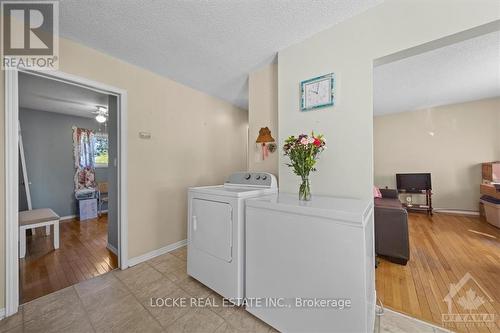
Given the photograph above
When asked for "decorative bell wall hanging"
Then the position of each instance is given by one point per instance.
(266, 142)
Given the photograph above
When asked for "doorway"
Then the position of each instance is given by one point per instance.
(436, 111)
(16, 196)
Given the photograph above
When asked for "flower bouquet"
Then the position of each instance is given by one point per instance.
(303, 152)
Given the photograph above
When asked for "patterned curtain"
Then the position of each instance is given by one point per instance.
(83, 149)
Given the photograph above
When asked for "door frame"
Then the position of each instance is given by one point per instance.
(12, 173)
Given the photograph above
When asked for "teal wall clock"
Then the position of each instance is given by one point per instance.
(317, 93)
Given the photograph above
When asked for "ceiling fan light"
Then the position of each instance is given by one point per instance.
(100, 118)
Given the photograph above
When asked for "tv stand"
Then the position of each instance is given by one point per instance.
(419, 207)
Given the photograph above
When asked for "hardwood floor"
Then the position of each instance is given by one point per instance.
(443, 248)
(81, 256)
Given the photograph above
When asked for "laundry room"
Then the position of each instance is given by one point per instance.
(250, 166)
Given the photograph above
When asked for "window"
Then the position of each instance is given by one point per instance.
(101, 150)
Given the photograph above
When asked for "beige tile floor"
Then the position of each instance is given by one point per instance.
(120, 301)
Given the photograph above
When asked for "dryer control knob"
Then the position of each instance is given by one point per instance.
(264, 177)
(258, 177)
(248, 176)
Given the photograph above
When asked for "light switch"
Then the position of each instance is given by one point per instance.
(145, 135)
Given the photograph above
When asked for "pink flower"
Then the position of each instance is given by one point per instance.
(317, 142)
(304, 141)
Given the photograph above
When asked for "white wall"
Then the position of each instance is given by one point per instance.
(349, 49)
(263, 112)
(449, 141)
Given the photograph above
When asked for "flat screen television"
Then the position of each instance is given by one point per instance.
(413, 182)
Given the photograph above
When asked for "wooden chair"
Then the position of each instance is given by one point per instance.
(102, 196)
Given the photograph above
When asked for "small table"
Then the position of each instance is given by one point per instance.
(427, 207)
(35, 218)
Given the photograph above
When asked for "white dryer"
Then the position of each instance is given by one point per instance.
(216, 231)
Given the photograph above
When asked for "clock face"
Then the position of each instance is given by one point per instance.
(317, 93)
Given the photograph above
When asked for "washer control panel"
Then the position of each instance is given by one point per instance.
(253, 179)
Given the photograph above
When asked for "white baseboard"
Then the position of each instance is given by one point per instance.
(69, 217)
(456, 211)
(2, 313)
(112, 248)
(156, 253)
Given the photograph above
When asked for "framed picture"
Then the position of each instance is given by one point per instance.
(318, 92)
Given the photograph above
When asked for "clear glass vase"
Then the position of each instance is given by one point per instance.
(305, 190)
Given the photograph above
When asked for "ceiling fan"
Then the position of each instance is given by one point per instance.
(101, 113)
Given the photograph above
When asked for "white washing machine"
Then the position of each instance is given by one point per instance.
(216, 231)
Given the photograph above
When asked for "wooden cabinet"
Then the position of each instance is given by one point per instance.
(491, 171)
(489, 190)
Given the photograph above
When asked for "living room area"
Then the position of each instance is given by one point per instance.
(437, 183)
